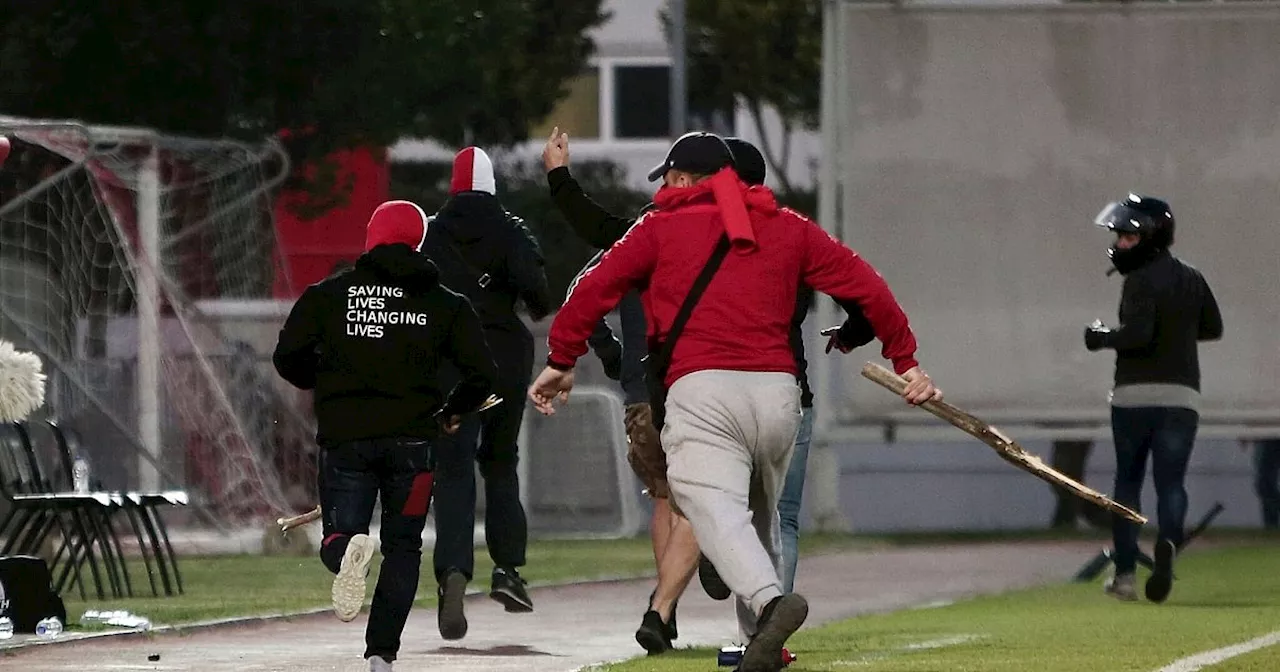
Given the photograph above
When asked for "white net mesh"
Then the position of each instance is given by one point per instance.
(171, 396)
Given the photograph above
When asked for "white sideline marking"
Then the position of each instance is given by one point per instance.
(1207, 658)
(940, 643)
(927, 645)
(937, 604)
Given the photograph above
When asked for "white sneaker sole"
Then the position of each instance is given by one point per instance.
(349, 584)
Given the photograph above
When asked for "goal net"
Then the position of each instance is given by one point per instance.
(114, 245)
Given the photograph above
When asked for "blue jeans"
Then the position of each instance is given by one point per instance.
(789, 500)
(1167, 435)
(1266, 480)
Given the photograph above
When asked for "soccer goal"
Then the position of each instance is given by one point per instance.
(136, 264)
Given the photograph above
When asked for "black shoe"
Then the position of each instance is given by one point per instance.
(672, 633)
(1161, 580)
(450, 616)
(652, 634)
(509, 589)
(780, 619)
(711, 581)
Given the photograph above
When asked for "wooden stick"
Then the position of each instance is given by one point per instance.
(1004, 446)
(287, 524)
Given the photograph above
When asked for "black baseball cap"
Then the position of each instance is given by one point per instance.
(698, 152)
(748, 162)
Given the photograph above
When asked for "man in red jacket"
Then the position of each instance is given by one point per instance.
(733, 405)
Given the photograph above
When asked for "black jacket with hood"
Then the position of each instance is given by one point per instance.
(1166, 309)
(484, 252)
(369, 340)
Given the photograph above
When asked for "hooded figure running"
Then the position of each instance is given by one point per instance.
(486, 254)
(369, 342)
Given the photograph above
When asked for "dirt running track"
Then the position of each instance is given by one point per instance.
(573, 626)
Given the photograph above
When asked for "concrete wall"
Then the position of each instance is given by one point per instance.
(974, 148)
(966, 486)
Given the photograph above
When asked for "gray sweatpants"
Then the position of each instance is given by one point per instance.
(728, 438)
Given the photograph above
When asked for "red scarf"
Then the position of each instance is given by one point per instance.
(734, 198)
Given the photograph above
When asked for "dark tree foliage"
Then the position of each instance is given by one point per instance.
(354, 72)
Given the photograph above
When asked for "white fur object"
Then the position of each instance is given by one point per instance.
(21, 383)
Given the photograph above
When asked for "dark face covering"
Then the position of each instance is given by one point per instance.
(1127, 260)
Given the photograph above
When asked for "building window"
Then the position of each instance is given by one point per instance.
(641, 102)
(577, 114)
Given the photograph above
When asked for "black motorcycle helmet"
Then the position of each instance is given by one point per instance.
(1151, 219)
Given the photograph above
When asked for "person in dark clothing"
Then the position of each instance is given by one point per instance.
(1070, 458)
(486, 254)
(1266, 480)
(369, 341)
(668, 529)
(1166, 308)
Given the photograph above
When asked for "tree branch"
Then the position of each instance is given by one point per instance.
(778, 169)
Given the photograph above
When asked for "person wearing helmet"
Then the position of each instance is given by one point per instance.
(1166, 309)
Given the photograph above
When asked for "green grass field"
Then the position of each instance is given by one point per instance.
(1224, 597)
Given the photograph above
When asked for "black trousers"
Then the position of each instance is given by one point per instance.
(351, 478)
(490, 439)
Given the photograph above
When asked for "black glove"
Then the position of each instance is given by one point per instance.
(854, 333)
(1095, 336)
(611, 360)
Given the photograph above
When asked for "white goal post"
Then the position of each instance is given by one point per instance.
(115, 240)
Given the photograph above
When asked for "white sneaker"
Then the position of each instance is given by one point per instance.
(348, 585)
(1121, 587)
(377, 664)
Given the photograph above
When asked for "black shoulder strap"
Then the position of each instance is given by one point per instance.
(482, 277)
(695, 293)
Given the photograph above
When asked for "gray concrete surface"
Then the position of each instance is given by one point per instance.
(574, 626)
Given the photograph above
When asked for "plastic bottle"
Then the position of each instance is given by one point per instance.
(730, 656)
(6, 627)
(80, 473)
(49, 628)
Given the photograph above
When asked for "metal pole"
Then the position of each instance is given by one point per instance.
(824, 463)
(148, 373)
(679, 84)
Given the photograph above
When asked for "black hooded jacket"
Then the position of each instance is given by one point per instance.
(369, 340)
(473, 236)
(1166, 309)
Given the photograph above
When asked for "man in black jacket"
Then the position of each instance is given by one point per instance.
(486, 254)
(675, 548)
(369, 341)
(1166, 308)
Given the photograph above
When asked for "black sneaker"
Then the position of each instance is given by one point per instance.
(672, 633)
(509, 589)
(450, 616)
(710, 579)
(1161, 580)
(780, 619)
(652, 634)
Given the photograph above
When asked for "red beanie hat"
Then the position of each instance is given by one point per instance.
(396, 222)
(472, 171)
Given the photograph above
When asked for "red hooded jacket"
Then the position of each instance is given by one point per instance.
(743, 320)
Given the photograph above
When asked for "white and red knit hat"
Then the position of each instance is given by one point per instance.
(472, 171)
(396, 222)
